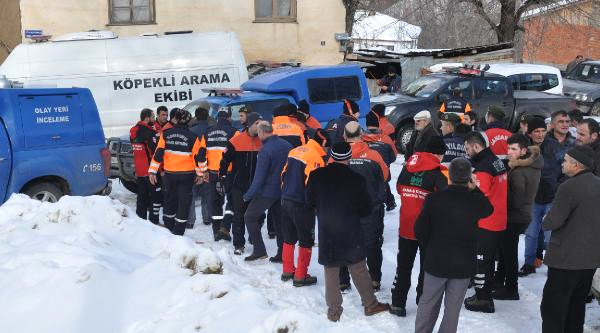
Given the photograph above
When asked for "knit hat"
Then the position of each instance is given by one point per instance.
(379, 109)
(582, 154)
(425, 114)
(535, 123)
(285, 110)
(450, 117)
(372, 120)
(496, 112)
(436, 145)
(341, 151)
(304, 107)
(460, 171)
(251, 118)
(183, 117)
(350, 107)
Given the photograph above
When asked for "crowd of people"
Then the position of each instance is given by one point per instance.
(466, 195)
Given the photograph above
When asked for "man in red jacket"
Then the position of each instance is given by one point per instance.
(143, 144)
(492, 180)
(496, 133)
(421, 175)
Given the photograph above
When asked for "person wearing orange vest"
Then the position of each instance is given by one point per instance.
(304, 114)
(456, 103)
(377, 115)
(143, 143)
(496, 134)
(492, 180)
(286, 127)
(178, 152)
(213, 143)
(298, 219)
(382, 144)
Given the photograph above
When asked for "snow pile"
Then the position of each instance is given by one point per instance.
(90, 265)
(379, 26)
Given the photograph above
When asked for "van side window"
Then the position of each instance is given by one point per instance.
(538, 82)
(129, 12)
(331, 90)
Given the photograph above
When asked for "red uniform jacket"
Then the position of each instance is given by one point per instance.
(492, 180)
(497, 137)
(143, 143)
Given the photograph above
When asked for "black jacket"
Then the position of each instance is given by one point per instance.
(337, 193)
(523, 182)
(447, 231)
(553, 153)
(241, 154)
(596, 147)
(419, 140)
(335, 128)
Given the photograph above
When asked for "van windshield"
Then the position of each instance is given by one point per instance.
(423, 86)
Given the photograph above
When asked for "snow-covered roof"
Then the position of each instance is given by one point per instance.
(550, 7)
(379, 26)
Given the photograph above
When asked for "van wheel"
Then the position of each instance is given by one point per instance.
(129, 185)
(44, 192)
(403, 137)
(595, 110)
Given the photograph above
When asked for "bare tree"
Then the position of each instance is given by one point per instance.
(352, 6)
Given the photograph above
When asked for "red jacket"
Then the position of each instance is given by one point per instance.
(497, 137)
(421, 176)
(143, 144)
(492, 180)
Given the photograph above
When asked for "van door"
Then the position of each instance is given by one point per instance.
(51, 120)
(5, 162)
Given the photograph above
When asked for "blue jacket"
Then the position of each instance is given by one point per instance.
(270, 161)
(553, 153)
(200, 128)
(455, 147)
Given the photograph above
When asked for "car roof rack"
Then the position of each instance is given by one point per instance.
(468, 69)
(223, 91)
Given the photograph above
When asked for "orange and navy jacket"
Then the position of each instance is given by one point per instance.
(456, 104)
(492, 180)
(143, 143)
(300, 163)
(421, 175)
(241, 154)
(296, 121)
(214, 142)
(285, 128)
(497, 138)
(369, 164)
(178, 152)
(382, 144)
(167, 127)
(385, 126)
(313, 123)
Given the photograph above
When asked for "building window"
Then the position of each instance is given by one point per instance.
(127, 12)
(275, 10)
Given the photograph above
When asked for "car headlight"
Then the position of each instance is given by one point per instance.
(581, 97)
(389, 109)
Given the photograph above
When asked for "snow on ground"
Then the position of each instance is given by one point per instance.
(90, 265)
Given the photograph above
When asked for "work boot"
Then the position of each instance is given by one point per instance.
(287, 256)
(178, 228)
(506, 294)
(224, 235)
(276, 259)
(334, 315)
(376, 308)
(308, 280)
(216, 227)
(344, 288)
(238, 251)
(287, 276)
(376, 286)
(476, 304)
(254, 257)
(526, 270)
(398, 311)
(390, 206)
(207, 222)
(189, 225)
(537, 263)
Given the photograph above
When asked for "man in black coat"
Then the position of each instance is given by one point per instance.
(423, 132)
(588, 133)
(573, 251)
(338, 196)
(447, 229)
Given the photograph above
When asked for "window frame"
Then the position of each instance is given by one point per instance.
(333, 79)
(151, 6)
(277, 19)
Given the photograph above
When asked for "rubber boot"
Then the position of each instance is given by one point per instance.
(169, 222)
(301, 277)
(288, 261)
(216, 227)
(179, 228)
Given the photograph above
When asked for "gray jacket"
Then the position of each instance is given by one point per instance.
(523, 182)
(575, 223)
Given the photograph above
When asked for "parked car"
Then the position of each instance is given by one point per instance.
(596, 285)
(128, 74)
(51, 144)
(480, 88)
(583, 84)
(531, 77)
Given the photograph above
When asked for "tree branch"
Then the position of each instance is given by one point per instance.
(481, 11)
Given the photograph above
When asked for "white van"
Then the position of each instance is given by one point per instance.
(126, 75)
(531, 77)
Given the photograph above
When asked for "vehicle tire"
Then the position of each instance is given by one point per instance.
(45, 192)
(595, 110)
(129, 185)
(403, 137)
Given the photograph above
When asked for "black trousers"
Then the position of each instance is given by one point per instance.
(253, 218)
(405, 260)
(563, 302)
(149, 200)
(216, 202)
(298, 223)
(238, 228)
(178, 198)
(389, 197)
(487, 247)
(372, 228)
(508, 266)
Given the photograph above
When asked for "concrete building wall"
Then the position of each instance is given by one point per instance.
(10, 31)
(310, 40)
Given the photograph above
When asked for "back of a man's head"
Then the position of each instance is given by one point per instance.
(352, 131)
(460, 171)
